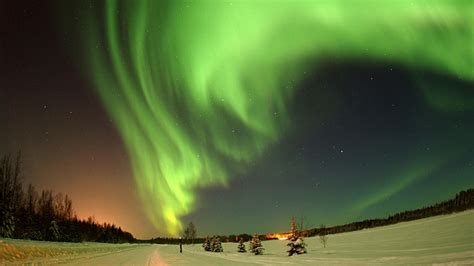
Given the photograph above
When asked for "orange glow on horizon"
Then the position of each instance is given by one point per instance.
(280, 236)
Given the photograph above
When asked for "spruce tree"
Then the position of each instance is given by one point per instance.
(216, 245)
(256, 245)
(296, 244)
(241, 246)
(207, 244)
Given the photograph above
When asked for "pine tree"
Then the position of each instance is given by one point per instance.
(207, 244)
(241, 246)
(296, 244)
(256, 245)
(216, 245)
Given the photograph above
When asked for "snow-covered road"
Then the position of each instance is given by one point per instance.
(145, 255)
(157, 255)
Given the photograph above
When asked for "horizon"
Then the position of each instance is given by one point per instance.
(268, 235)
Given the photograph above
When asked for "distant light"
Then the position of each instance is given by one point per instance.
(279, 236)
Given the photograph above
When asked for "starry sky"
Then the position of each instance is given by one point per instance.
(238, 115)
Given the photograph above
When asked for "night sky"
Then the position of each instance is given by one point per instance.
(238, 116)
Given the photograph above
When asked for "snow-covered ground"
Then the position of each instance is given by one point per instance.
(447, 239)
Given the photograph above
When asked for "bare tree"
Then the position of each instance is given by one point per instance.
(323, 235)
(10, 193)
(58, 205)
(31, 199)
(190, 232)
(68, 211)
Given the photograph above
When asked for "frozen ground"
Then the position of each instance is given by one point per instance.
(447, 239)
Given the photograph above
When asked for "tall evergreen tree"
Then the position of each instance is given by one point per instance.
(296, 241)
(256, 245)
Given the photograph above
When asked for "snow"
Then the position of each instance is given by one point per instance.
(441, 240)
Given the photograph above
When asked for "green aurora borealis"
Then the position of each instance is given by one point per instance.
(198, 89)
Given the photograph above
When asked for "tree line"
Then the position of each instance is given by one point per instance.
(463, 200)
(44, 215)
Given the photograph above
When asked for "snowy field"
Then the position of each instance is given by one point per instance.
(447, 240)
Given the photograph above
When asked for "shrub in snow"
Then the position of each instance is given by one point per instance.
(241, 246)
(256, 245)
(7, 223)
(33, 235)
(216, 245)
(298, 247)
(54, 231)
(296, 244)
(207, 244)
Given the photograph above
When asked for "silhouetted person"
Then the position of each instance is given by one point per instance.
(180, 245)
